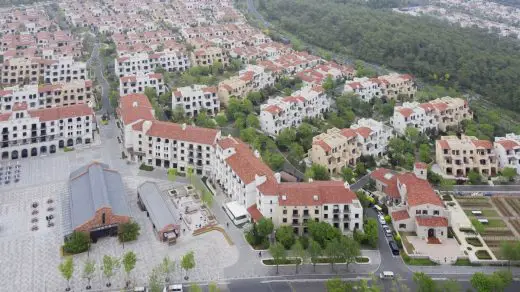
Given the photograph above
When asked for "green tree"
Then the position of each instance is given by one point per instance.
(221, 120)
(337, 285)
(67, 269)
(129, 261)
(179, 115)
(314, 251)
(285, 236)
(510, 251)
(207, 198)
(265, 227)
(474, 177)
(274, 160)
(328, 85)
(212, 287)
(317, 172)
(322, 232)
(88, 271)
(167, 267)
(128, 231)
(248, 135)
(425, 153)
(333, 251)
(188, 263)
(399, 285)
(371, 232)
(195, 288)
(424, 282)
(285, 138)
(509, 173)
(154, 283)
(360, 169)
(278, 253)
(172, 174)
(252, 121)
(495, 282)
(78, 242)
(299, 253)
(189, 174)
(255, 97)
(347, 174)
(450, 285)
(110, 265)
(350, 249)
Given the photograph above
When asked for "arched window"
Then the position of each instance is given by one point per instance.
(103, 218)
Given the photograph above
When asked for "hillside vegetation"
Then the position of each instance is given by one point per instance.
(433, 50)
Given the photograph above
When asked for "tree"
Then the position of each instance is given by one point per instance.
(323, 231)
(203, 120)
(315, 252)
(195, 288)
(188, 263)
(474, 177)
(248, 135)
(179, 115)
(67, 269)
(347, 174)
(221, 120)
(450, 285)
(255, 97)
(495, 282)
(425, 153)
(371, 232)
(88, 271)
(285, 236)
(360, 169)
(129, 261)
(317, 172)
(189, 174)
(299, 253)
(296, 152)
(265, 227)
(128, 231)
(212, 287)
(110, 264)
(78, 242)
(509, 173)
(424, 282)
(167, 267)
(349, 249)
(399, 285)
(510, 251)
(172, 174)
(153, 280)
(285, 138)
(278, 253)
(337, 285)
(207, 198)
(333, 250)
(252, 121)
(328, 85)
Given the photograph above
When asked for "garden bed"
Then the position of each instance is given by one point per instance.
(465, 262)
(362, 260)
(270, 262)
(474, 241)
(417, 261)
(329, 260)
(447, 198)
(501, 205)
(482, 255)
(485, 213)
(146, 167)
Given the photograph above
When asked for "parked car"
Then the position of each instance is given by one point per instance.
(393, 247)
(388, 231)
(386, 275)
(173, 288)
(381, 219)
(140, 289)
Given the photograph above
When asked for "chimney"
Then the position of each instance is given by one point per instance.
(146, 126)
(257, 154)
(315, 197)
(278, 177)
(420, 170)
(347, 185)
(310, 180)
(184, 126)
(134, 104)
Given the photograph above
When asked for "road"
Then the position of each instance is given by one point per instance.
(502, 189)
(360, 182)
(98, 71)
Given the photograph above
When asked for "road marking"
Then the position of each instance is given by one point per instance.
(358, 278)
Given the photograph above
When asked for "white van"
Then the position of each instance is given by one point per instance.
(173, 288)
(386, 275)
(140, 289)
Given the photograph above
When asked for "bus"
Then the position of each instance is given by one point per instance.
(237, 213)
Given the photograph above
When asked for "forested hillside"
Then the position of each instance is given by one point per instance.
(431, 49)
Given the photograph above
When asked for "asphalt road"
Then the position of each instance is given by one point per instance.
(502, 189)
(98, 71)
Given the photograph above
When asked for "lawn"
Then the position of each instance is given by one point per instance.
(417, 261)
(270, 262)
(482, 255)
(485, 213)
(474, 241)
(409, 247)
(464, 262)
(492, 223)
(362, 260)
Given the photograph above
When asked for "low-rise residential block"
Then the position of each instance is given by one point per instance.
(508, 151)
(252, 78)
(145, 63)
(387, 87)
(196, 99)
(138, 83)
(458, 156)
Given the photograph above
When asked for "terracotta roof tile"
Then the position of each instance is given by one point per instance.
(443, 144)
(406, 112)
(432, 221)
(508, 144)
(57, 113)
(255, 214)
(483, 144)
(419, 191)
(400, 215)
(189, 134)
(323, 145)
(134, 107)
(314, 193)
(364, 131)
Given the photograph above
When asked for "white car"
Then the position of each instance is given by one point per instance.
(386, 275)
(381, 220)
(173, 288)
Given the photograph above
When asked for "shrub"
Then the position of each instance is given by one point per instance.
(78, 242)
(304, 240)
(68, 149)
(398, 240)
(447, 198)
(128, 231)
(146, 167)
(388, 219)
(482, 255)
(474, 241)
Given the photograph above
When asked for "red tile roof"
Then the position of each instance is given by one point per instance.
(314, 193)
(255, 214)
(432, 221)
(441, 106)
(364, 131)
(273, 109)
(349, 133)
(443, 144)
(508, 144)
(483, 144)
(418, 191)
(57, 113)
(406, 112)
(381, 175)
(323, 145)
(400, 215)
(189, 134)
(134, 107)
(421, 165)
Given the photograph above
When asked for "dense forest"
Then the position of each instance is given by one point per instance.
(466, 58)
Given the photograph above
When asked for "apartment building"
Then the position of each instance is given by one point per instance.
(196, 99)
(209, 56)
(318, 74)
(337, 148)
(252, 78)
(458, 156)
(244, 178)
(64, 70)
(373, 136)
(171, 61)
(508, 151)
(28, 133)
(283, 112)
(440, 114)
(163, 144)
(138, 83)
(414, 205)
(49, 95)
(324, 201)
(387, 86)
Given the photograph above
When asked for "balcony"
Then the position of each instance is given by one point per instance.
(296, 215)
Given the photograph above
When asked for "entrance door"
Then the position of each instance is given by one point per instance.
(431, 232)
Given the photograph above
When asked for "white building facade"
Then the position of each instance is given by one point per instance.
(145, 63)
(196, 99)
(138, 83)
(508, 151)
(373, 136)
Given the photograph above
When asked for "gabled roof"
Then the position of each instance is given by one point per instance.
(508, 144)
(431, 221)
(419, 191)
(314, 193)
(182, 132)
(156, 207)
(323, 145)
(400, 215)
(134, 107)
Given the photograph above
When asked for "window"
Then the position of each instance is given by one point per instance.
(326, 216)
(325, 207)
(316, 212)
(436, 212)
(284, 212)
(284, 220)
(425, 212)
(356, 215)
(402, 226)
(103, 218)
(417, 212)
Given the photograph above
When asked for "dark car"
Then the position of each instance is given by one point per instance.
(394, 247)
